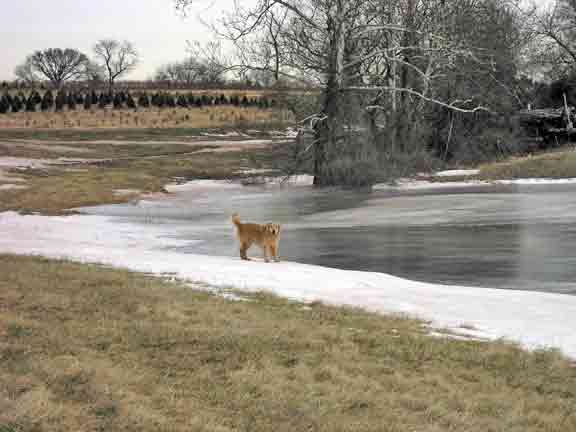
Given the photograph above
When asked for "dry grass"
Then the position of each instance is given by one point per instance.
(208, 117)
(549, 165)
(119, 165)
(55, 190)
(180, 134)
(93, 349)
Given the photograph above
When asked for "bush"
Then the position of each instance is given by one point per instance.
(158, 100)
(143, 101)
(16, 104)
(117, 101)
(103, 101)
(71, 101)
(130, 102)
(31, 104)
(182, 101)
(170, 102)
(47, 101)
(4, 107)
(87, 102)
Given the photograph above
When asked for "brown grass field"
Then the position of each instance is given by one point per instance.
(86, 348)
(207, 117)
(143, 167)
(558, 164)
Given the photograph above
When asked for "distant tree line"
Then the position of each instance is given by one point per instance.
(70, 101)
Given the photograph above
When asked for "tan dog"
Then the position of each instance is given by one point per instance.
(266, 236)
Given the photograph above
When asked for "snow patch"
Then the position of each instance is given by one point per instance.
(457, 173)
(124, 192)
(409, 184)
(12, 187)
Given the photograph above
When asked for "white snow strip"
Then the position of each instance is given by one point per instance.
(12, 187)
(124, 192)
(16, 162)
(408, 184)
(197, 185)
(534, 319)
(457, 173)
(539, 181)
(427, 185)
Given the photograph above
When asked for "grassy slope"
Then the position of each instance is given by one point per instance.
(93, 349)
(559, 164)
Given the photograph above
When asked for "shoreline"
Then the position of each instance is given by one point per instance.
(533, 319)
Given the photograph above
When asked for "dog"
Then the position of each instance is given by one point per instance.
(266, 236)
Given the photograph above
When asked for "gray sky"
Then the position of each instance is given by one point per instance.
(154, 27)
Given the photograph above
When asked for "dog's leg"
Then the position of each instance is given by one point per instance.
(274, 249)
(243, 249)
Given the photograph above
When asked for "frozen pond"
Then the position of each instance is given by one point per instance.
(504, 236)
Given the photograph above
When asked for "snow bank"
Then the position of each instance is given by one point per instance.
(531, 318)
(457, 173)
(409, 184)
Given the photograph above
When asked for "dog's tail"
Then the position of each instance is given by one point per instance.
(236, 219)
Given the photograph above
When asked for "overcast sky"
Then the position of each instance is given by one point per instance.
(155, 28)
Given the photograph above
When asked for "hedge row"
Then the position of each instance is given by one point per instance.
(120, 100)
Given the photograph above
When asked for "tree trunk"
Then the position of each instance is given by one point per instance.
(329, 132)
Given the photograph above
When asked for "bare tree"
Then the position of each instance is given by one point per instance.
(26, 74)
(115, 58)
(56, 65)
(191, 71)
(378, 64)
(555, 45)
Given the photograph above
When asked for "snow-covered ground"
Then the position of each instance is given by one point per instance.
(531, 318)
(410, 184)
(457, 173)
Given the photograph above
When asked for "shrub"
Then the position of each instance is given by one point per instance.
(71, 101)
(117, 101)
(182, 101)
(103, 101)
(143, 100)
(158, 100)
(170, 102)
(4, 107)
(130, 102)
(88, 102)
(31, 104)
(47, 101)
(16, 104)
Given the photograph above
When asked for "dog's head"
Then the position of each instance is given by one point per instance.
(272, 229)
